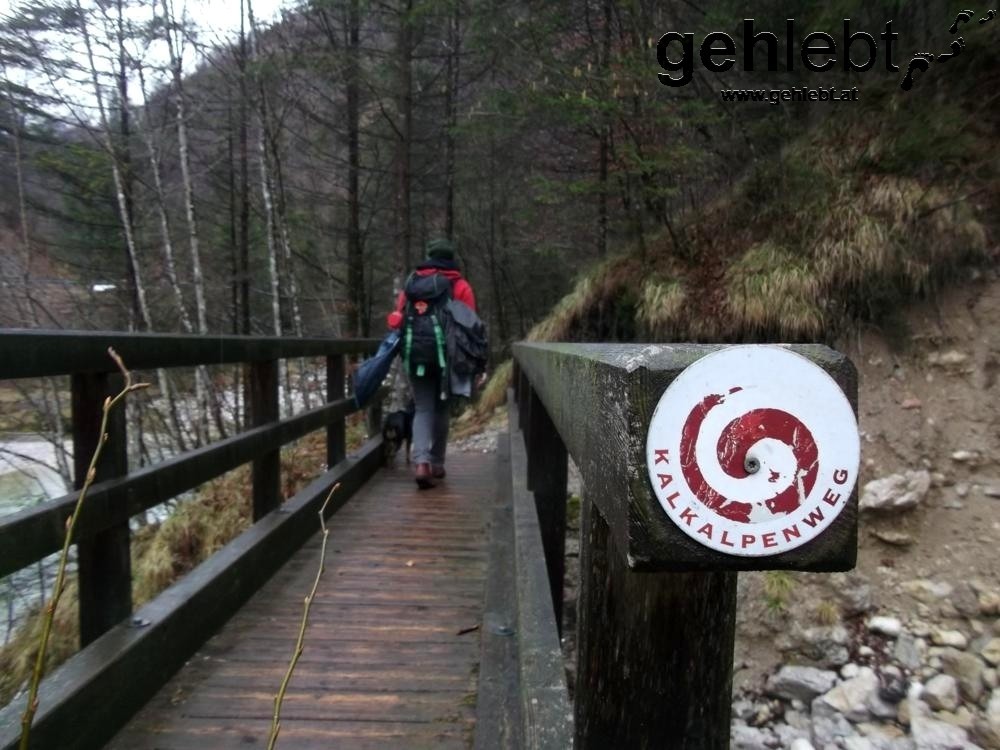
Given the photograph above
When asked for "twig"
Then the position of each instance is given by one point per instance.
(50, 609)
(280, 697)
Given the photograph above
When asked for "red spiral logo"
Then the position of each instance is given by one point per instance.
(734, 442)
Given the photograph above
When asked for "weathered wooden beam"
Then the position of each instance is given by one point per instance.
(264, 409)
(336, 435)
(104, 563)
(498, 702)
(33, 533)
(547, 469)
(84, 702)
(546, 713)
(34, 353)
(654, 650)
(601, 398)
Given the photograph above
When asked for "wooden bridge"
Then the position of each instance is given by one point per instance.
(437, 619)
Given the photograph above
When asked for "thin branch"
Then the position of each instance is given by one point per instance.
(50, 609)
(280, 697)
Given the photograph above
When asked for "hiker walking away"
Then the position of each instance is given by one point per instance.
(420, 316)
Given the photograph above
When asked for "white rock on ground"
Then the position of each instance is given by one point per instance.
(928, 592)
(825, 645)
(952, 638)
(931, 734)
(991, 652)
(896, 491)
(802, 683)
(744, 737)
(828, 726)
(890, 627)
(941, 693)
(967, 669)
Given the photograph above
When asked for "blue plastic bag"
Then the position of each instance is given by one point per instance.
(373, 371)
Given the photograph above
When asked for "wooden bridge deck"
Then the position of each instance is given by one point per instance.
(384, 665)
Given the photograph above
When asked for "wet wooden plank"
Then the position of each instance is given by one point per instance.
(383, 666)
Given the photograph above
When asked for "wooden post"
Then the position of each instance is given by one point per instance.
(656, 605)
(547, 468)
(654, 651)
(103, 561)
(266, 469)
(336, 436)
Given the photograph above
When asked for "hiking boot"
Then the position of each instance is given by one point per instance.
(438, 472)
(424, 477)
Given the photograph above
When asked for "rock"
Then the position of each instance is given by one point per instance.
(931, 734)
(890, 627)
(909, 652)
(993, 706)
(991, 679)
(986, 734)
(963, 457)
(789, 735)
(911, 403)
(848, 671)
(750, 738)
(991, 652)
(743, 709)
(987, 729)
(894, 685)
(853, 592)
(801, 744)
(927, 592)
(827, 646)
(897, 491)
(763, 713)
(893, 538)
(941, 693)
(965, 600)
(859, 743)
(989, 603)
(962, 489)
(967, 669)
(802, 683)
(828, 725)
(992, 490)
(884, 735)
(854, 697)
(960, 717)
(949, 358)
(951, 638)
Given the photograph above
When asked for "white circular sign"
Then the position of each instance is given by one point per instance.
(753, 450)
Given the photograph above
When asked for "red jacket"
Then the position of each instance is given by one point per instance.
(460, 290)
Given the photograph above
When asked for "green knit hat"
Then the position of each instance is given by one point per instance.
(441, 249)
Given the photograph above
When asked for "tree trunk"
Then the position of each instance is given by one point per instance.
(124, 212)
(267, 197)
(355, 261)
(451, 115)
(244, 183)
(404, 52)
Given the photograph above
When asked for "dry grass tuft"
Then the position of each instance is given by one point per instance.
(770, 289)
(17, 657)
(662, 304)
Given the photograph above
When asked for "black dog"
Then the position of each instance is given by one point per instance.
(396, 430)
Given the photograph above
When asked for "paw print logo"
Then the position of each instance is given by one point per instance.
(420, 307)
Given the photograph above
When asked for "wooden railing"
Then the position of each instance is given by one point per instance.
(127, 658)
(656, 611)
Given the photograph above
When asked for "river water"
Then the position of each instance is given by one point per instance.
(27, 477)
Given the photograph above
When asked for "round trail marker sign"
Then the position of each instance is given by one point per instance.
(753, 450)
